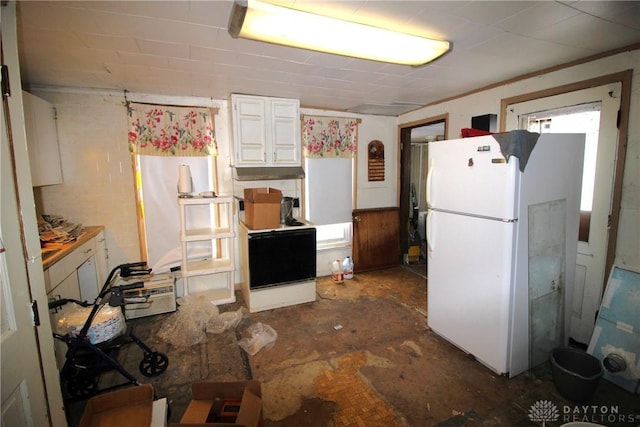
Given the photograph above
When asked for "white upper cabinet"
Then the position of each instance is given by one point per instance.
(266, 131)
(42, 140)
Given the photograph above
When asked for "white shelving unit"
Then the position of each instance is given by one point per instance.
(207, 252)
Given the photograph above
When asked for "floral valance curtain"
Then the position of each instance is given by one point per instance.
(329, 137)
(162, 130)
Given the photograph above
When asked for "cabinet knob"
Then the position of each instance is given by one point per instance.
(356, 218)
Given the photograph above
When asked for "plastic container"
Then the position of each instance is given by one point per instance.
(337, 271)
(575, 373)
(347, 267)
(581, 424)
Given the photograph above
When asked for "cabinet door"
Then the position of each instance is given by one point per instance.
(249, 121)
(285, 132)
(42, 141)
(376, 241)
(102, 256)
(68, 288)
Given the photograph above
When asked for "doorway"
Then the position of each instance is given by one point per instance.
(414, 138)
(597, 105)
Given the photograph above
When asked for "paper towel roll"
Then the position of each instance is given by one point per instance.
(185, 183)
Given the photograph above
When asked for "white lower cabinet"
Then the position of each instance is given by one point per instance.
(75, 276)
(102, 256)
(68, 288)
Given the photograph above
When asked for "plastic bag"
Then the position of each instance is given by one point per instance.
(108, 323)
(187, 326)
(225, 321)
(261, 336)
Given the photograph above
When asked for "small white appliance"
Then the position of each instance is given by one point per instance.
(502, 229)
(160, 294)
(185, 181)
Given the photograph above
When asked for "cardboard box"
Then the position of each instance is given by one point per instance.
(232, 403)
(129, 407)
(262, 207)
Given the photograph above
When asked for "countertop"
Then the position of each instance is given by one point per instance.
(54, 253)
(280, 227)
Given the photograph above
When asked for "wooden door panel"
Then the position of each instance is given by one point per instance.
(376, 238)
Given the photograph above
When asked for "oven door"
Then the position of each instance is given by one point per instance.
(282, 256)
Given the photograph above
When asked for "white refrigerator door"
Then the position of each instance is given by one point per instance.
(470, 175)
(469, 290)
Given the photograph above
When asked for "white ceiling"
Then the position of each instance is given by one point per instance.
(182, 48)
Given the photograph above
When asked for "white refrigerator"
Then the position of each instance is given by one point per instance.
(502, 231)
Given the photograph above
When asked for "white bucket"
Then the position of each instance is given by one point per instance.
(581, 424)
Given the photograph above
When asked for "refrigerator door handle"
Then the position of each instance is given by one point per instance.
(428, 186)
(429, 235)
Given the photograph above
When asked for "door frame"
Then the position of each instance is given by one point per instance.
(624, 78)
(404, 136)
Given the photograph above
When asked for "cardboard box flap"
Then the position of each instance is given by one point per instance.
(250, 412)
(197, 411)
(210, 390)
(129, 407)
(181, 424)
(262, 195)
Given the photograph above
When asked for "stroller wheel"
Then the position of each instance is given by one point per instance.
(81, 387)
(154, 364)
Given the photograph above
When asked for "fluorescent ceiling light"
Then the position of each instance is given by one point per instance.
(267, 22)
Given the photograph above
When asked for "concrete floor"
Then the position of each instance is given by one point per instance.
(363, 355)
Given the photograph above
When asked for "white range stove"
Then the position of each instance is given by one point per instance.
(278, 265)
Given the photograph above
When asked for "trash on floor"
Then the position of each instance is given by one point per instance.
(187, 326)
(260, 336)
(226, 321)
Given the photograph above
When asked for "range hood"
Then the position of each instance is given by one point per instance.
(268, 173)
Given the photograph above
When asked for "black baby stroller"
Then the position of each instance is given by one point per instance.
(100, 331)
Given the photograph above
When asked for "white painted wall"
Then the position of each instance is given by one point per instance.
(98, 174)
(461, 110)
(382, 128)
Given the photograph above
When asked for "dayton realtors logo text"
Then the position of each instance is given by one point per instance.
(596, 414)
(544, 411)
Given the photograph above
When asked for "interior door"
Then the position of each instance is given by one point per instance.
(376, 238)
(23, 394)
(592, 253)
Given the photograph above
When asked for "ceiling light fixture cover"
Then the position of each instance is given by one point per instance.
(267, 22)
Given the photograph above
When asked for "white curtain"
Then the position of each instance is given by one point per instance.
(329, 190)
(159, 180)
